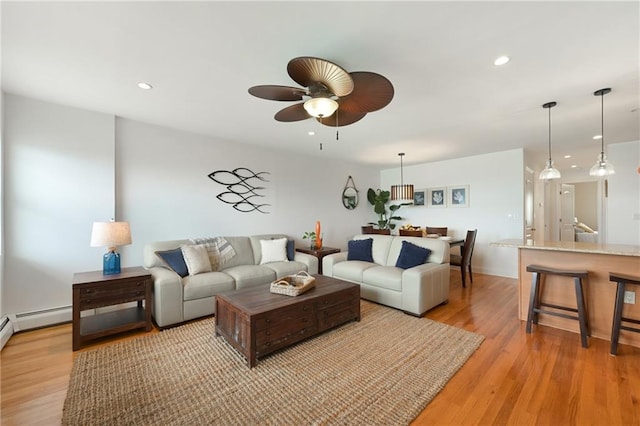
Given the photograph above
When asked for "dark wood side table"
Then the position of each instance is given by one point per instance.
(319, 253)
(94, 290)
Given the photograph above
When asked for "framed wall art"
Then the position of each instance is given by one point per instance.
(437, 197)
(418, 197)
(458, 196)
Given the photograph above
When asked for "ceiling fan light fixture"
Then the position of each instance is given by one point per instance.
(320, 107)
(602, 166)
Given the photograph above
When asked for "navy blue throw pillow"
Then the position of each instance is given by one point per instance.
(175, 260)
(291, 249)
(411, 255)
(360, 250)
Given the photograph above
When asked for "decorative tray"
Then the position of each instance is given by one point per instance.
(293, 285)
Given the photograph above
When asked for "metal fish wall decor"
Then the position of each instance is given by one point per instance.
(241, 189)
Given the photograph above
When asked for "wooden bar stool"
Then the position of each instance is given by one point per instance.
(535, 300)
(622, 280)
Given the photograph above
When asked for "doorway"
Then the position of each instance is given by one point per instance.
(576, 202)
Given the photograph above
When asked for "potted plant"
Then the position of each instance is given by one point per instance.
(311, 236)
(378, 199)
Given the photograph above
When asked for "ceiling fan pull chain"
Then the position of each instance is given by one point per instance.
(320, 146)
(337, 118)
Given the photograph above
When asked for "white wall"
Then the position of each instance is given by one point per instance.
(165, 193)
(66, 168)
(623, 202)
(59, 178)
(496, 186)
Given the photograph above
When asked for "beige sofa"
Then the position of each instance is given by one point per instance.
(177, 299)
(414, 290)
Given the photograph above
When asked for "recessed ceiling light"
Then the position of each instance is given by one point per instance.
(573, 166)
(311, 133)
(501, 60)
(145, 86)
(567, 156)
(597, 137)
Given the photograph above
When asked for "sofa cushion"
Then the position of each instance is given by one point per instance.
(286, 268)
(251, 275)
(273, 251)
(380, 247)
(439, 249)
(291, 249)
(175, 260)
(206, 284)
(244, 252)
(412, 255)
(360, 250)
(196, 258)
(384, 277)
(351, 270)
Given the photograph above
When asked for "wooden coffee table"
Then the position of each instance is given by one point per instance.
(257, 322)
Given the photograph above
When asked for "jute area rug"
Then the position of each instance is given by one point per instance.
(382, 370)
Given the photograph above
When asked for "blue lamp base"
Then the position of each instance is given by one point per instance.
(111, 263)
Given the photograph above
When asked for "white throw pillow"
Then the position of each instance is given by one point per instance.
(273, 251)
(197, 259)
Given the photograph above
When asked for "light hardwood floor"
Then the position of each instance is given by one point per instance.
(513, 378)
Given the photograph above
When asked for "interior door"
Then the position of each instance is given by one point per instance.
(567, 212)
(529, 230)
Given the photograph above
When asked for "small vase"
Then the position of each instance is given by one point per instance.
(318, 243)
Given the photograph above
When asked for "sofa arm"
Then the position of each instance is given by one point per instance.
(330, 260)
(424, 287)
(309, 260)
(167, 296)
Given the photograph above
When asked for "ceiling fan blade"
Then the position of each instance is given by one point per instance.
(342, 117)
(307, 70)
(371, 92)
(278, 93)
(292, 113)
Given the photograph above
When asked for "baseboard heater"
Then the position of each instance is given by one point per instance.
(6, 331)
(43, 318)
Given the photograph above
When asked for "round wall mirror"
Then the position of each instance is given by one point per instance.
(350, 195)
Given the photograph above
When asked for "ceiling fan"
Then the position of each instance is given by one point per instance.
(332, 95)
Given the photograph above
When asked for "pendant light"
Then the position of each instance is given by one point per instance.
(602, 166)
(402, 192)
(549, 172)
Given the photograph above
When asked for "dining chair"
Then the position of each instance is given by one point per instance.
(411, 233)
(440, 231)
(463, 260)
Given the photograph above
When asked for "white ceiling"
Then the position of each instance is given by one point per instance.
(450, 100)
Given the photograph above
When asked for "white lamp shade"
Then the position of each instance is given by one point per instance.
(320, 107)
(110, 234)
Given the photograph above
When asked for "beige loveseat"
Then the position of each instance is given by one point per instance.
(414, 290)
(177, 299)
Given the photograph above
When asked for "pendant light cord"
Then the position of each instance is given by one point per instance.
(602, 123)
(401, 173)
(549, 136)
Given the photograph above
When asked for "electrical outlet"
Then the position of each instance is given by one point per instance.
(630, 297)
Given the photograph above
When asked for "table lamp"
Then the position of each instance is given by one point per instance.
(110, 235)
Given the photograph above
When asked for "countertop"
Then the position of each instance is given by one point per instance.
(571, 246)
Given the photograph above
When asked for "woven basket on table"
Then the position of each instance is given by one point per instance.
(293, 285)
